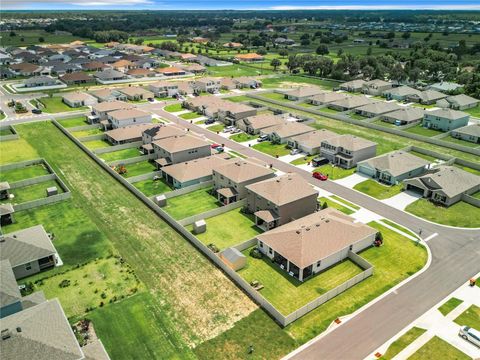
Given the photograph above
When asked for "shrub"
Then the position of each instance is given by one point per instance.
(255, 253)
(64, 283)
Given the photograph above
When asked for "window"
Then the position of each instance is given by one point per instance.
(318, 263)
(270, 251)
(28, 266)
(261, 244)
(350, 248)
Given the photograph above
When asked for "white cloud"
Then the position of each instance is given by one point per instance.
(25, 4)
(376, 7)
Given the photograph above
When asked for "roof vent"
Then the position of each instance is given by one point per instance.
(317, 225)
(298, 231)
(327, 221)
(6, 334)
(307, 229)
(19, 329)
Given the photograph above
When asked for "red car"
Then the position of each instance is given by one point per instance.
(320, 176)
(214, 146)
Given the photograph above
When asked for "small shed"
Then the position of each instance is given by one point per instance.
(160, 200)
(6, 214)
(199, 226)
(4, 188)
(233, 258)
(52, 191)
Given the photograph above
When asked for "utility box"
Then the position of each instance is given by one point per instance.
(52, 191)
(160, 200)
(199, 226)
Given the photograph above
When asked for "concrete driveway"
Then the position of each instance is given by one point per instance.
(402, 200)
(352, 180)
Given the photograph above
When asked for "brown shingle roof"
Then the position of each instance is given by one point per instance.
(240, 171)
(181, 143)
(195, 169)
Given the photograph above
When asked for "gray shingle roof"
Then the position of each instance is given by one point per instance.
(447, 113)
(396, 163)
(451, 180)
(473, 130)
(9, 293)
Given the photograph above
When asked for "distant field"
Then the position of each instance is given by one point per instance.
(31, 37)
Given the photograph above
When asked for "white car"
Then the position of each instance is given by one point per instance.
(228, 129)
(236, 131)
(470, 334)
(295, 152)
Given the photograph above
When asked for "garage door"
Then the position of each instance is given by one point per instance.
(366, 170)
(415, 189)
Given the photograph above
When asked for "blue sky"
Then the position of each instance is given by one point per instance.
(238, 4)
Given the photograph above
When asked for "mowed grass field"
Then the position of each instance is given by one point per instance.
(164, 261)
(31, 37)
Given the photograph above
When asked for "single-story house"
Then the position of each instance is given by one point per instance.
(140, 73)
(233, 258)
(227, 84)
(230, 179)
(461, 102)
(445, 185)
(94, 66)
(39, 81)
(350, 103)
(194, 68)
(136, 93)
(26, 69)
(108, 95)
(255, 124)
(302, 93)
(282, 133)
(163, 89)
(445, 119)
(327, 97)
(347, 150)
(76, 78)
(376, 109)
(29, 251)
(127, 134)
(400, 93)
(170, 71)
(78, 99)
(281, 199)
(102, 109)
(427, 97)
(310, 142)
(445, 86)
(177, 149)
(110, 75)
(125, 117)
(467, 133)
(247, 82)
(251, 57)
(394, 167)
(376, 87)
(404, 116)
(315, 242)
(123, 65)
(353, 86)
(192, 172)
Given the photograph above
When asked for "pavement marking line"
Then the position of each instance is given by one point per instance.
(430, 237)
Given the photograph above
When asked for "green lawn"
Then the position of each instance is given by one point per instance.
(120, 154)
(216, 128)
(272, 149)
(357, 116)
(15, 151)
(303, 160)
(235, 71)
(239, 98)
(306, 105)
(377, 190)
(399, 227)
(329, 111)
(268, 339)
(241, 137)
(334, 172)
(77, 237)
(135, 329)
(473, 111)
(402, 342)
(26, 172)
(288, 294)
(460, 214)
(289, 80)
(99, 281)
(423, 156)
(437, 348)
(396, 260)
(139, 168)
(152, 187)
(470, 317)
(241, 227)
(190, 116)
(449, 305)
(55, 104)
(174, 108)
(96, 144)
(89, 132)
(195, 202)
(469, 169)
(335, 205)
(460, 142)
(420, 130)
(32, 192)
(341, 200)
(72, 122)
(31, 37)
(7, 131)
(274, 96)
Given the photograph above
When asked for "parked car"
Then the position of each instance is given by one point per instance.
(220, 149)
(319, 161)
(470, 334)
(151, 99)
(320, 176)
(228, 129)
(36, 111)
(209, 121)
(262, 138)
(214, 146)
(295, 151)
(236, 131)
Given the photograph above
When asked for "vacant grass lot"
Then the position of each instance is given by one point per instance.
(15, 151)
(335, 205)
(96, 144)
(27, 172)
(292, 80)
(56, 105)
(190, 116)
(139, 168)
(120, 154)
(275, 96)
(288, 294)
(135, 329)
(377, 190)
(32, 192)
(334, 172)
(98, 282)
(89, 132)
(72, 122)
(30, 37)
(195, 202)
(242, 137)
(402, 342)
(152, 187)
(396, 260)
(166, 263)
(449, 305)
(272, 149)
(470, 317)
(241, 227)
(437, 348)
(258, 329)
(173, 108)
(235, 71)
(460, 214)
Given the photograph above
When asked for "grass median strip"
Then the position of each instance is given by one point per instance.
(402, 342)
(449, 305)
(437, 348)
(470, 317)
